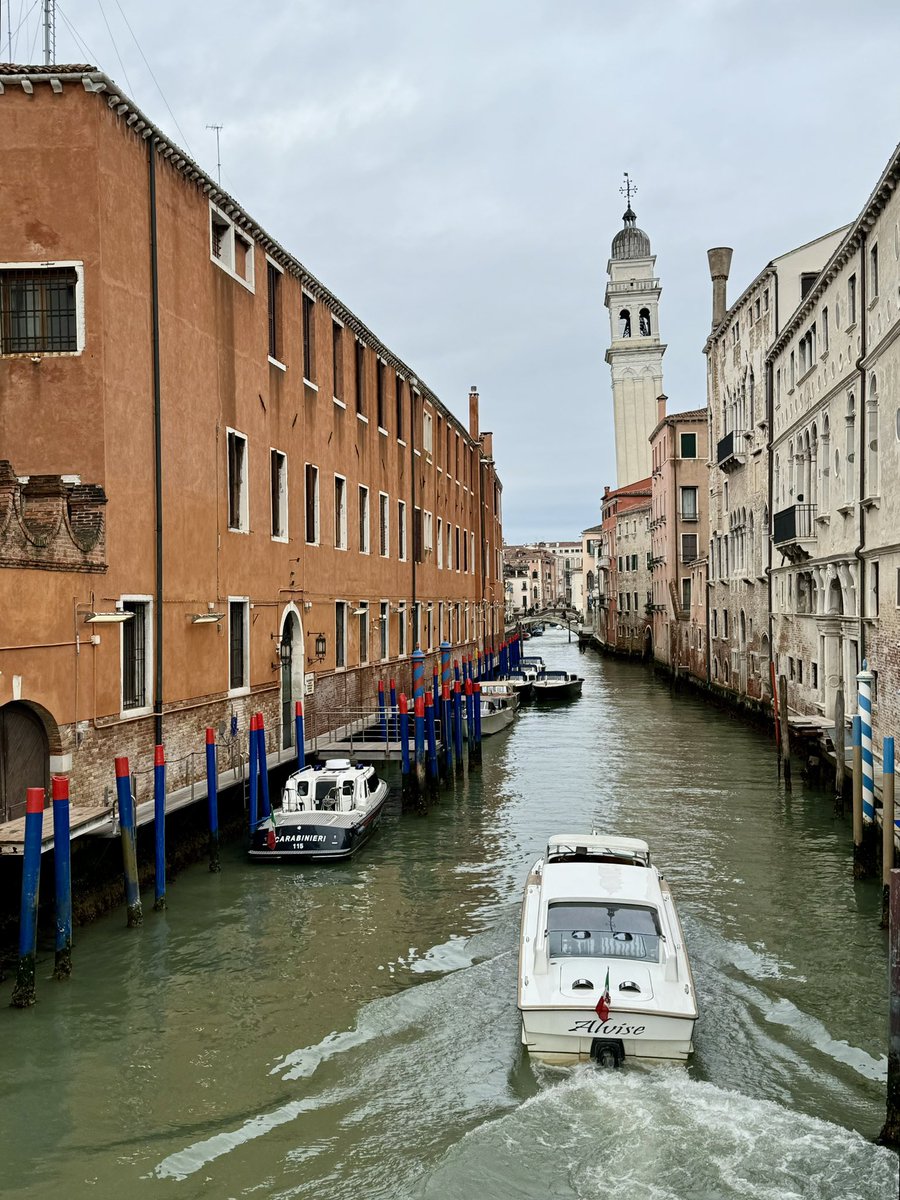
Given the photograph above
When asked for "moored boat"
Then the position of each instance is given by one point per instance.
(557, 685)
(325, 812)
(603, 970)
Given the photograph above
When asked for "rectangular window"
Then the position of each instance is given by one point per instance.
(427, 432)
(688, 445)
(384, 629)
(278, 472)
(379, 394)
(799, 670)
(238, 504)
(472, 552)
(309, 338)
(440, 543)
(238, 644)
(725, 622)
(793, 370)
(429, 627)
(360, 378)
(824, 330)
(440, 628)
(398, 396)
(874, 595)
(456, 556)
(449, 546)
(791, 671)
(465, 550)
(427, 532)
(417, 625)
(851, 299)
(363, 519)
(340, 634)
(384, 525)
(873, 272)
(401, 631)
(814, 669)
(312, 504)
(401, 530)
(273, 276)
(337, 359)
(362, 616)
(230, 248)
(135, 655)
(38, 310)
(689, 511)
(417, 535)
(340, 513)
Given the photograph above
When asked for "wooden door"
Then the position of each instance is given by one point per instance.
(24, 758)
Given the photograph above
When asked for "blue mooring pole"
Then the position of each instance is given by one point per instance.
(393, 687)
(435, 686)
(477, 744)
(403, 722)
(159, 826)
(134, 912)
(254, 777)
(212, 797)
(265, 807)
(419, 718)
(470, 716)
(62, 869)
(299, 735)
(432, 743)
(23, 992)
(456, 676)
(447, 731)
(457, 726)
(382, 715)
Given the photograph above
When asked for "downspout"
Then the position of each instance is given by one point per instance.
(157, 452)
(770, 425)
(412, 516)
(481, 572)
(863, 341)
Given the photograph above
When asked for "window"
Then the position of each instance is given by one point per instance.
(340, 634)
(384, 630)
(457, 548)
(379, 394)
(398, 383)
(625, 323)
(793, 370)
(814, 670)
(360, 378)
(724, 622)
(340, 513)
(440, 543)
(135, 655)
(427, 532)
(766, 300)
(312, 504)
(417, 625)
(384, 531)
(427, 432)
(417, 535)
(689, 511)
(874, 594)
(238, 643)
(401, 631)
(686, 594)
(278, 472)
(851, 299)
(273, 277)
(799, 670)
(401, 530)
(873, 272)
(238, 504)
(39, 310)
(465, 553)
(449, 546)
(363, 519)
(688, 445)
(472, 552)
(688, 547)
(230, 248)
(362, 616)
(644, 322)
(824, 331)
(337, 359)
(309, 338)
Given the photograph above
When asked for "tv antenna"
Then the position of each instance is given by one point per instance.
(218, 129)
(49, 7)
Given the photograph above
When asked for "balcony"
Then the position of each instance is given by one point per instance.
(732, 451)
(794, 531)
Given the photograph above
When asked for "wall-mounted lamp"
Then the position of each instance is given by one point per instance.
(207, 618)
(107, 618)
(358, 612)
(307, 605)
(321, 647)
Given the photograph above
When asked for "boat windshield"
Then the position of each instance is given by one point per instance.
(608, 930)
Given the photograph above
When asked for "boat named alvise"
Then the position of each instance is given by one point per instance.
(603, 970)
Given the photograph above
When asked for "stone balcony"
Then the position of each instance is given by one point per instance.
(732, 450)
(794, 531)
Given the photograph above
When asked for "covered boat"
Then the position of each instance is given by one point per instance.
(557, 685)
(603, 969)
(325, 812)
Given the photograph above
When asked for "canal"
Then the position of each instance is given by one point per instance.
(351, 1031)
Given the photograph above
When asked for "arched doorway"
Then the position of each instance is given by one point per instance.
(291, 654)
(24, 757)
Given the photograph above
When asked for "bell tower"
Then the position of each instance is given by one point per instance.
(635, 350)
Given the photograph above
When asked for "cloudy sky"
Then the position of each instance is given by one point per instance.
(450, 168)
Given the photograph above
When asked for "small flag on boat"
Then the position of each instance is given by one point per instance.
(602, 1009)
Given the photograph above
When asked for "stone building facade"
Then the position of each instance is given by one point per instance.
(622, 618)
(678, 529)
(541, 570)
(221, 491)
(835, 377)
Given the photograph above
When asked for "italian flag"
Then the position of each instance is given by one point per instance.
(602, 1009)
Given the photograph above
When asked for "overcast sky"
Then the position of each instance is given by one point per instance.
(450, 169)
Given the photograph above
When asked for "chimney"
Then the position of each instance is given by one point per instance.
(473, 413)
(661, 406)
(719, 266)
(487, 445)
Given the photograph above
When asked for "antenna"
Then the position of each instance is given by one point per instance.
(218, 129)
(49, 31)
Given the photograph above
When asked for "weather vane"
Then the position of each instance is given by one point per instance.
(628, 189)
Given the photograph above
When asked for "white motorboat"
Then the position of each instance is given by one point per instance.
(520, 681)
(603, 969)
(558, 685)
(502, 689)
(497, 714)
(325, 812)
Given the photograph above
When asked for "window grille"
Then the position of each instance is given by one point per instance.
(37, 311)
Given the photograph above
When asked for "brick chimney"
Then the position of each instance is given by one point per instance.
(487, 445)
(719, 266)
(473, 413)
(661, 406)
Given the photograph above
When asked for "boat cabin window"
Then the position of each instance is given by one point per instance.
(603, 931)
(326, 793)
(372, 783)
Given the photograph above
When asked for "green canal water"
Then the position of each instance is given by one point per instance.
(351, 1031)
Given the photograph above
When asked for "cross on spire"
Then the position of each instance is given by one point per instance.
(628, 189)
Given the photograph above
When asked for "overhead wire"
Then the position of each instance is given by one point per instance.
(37, 30)
(155, 80)
(112, 38)
(82, 44)
(14, 49)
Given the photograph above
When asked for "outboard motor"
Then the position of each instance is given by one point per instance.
(607, 1052)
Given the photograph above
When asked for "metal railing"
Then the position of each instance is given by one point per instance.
(791, 524)
(730, 446)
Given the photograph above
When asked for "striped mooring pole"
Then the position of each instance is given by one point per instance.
(212, 800)
(254, 776)
(431, 736)
(62, 869)
(476, 746)
(864, 703)
(470, 715)
(265, 807)
(134, 912)
(299, 735)
(418, 658)
(403, 723)
(382, 715)
(393, 686)
(23, 992)
(159, 827)
(457, 726)
(446, 726)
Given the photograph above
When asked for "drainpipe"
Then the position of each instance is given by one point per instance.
(863, 343)
(413, 384)
(157, 452)
(770, 488)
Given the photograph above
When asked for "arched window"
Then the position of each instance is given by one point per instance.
(752, 413)
(813, 467)
(645, 322)
(872, 438)
(850, 451)
(825, 464)
(625, 323)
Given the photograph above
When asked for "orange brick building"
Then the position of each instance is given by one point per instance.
(219, 490)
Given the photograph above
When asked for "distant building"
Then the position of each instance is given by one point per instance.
(622, 615)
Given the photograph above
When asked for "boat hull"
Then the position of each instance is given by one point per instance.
(308, 840)
(568, 1035)
(495, 722)
(567, 690)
